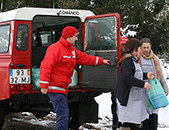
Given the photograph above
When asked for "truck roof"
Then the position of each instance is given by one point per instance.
(28, 13)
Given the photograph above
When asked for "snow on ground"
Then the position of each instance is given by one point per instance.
(34, 121)
(30, 118)
(163, 116)
(104, 101)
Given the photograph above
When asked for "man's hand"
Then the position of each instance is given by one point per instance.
(147, 86)
(44, 90)
(106, 62)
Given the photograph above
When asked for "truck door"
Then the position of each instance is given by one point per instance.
(20, 72)
(4, 59)
(101, 38)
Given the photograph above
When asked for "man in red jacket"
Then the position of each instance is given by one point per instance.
(57, 69)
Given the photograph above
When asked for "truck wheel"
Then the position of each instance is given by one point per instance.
(74, 117)
(40, 114)
(2, 117)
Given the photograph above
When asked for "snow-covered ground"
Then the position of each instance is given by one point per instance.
(163, 118)
(105, 115)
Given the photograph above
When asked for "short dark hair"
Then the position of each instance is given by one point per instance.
(145, 40)
(132, 44)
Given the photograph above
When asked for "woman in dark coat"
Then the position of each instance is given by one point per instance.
(130, 108)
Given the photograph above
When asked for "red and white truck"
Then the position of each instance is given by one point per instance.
(25, 34)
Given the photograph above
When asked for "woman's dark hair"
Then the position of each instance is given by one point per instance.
(145, 40)
(131, 44)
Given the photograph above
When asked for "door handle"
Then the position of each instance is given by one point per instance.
(113, 60)
(20, 65)
(85, 83)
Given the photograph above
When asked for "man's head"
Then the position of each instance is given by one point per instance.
(145, 46)
(123, 41)
(70, 34)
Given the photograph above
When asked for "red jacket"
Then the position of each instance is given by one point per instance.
(58, 65)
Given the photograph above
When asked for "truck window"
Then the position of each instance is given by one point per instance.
(101, 34)
(22, 37)
(48, 29)
(44, 38)
(4, 38)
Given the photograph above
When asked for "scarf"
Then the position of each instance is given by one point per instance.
(157, 68)
(136, 59)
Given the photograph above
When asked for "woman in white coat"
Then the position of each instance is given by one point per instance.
(150, 63)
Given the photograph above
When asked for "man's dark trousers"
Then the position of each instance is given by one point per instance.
(60, 105)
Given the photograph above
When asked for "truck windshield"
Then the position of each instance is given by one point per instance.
(4, 38)
(101, 34)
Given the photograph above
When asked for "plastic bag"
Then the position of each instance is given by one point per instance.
(35, 77)
(74, 79)
(157, 97)
(150, 105)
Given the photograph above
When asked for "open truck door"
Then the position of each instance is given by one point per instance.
(101, 38)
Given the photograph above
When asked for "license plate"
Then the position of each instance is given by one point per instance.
(19, 76)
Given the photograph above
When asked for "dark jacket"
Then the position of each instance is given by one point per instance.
(126, 80)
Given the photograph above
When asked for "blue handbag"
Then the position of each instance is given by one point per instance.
(157, 97)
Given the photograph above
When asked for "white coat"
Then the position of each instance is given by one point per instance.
(135, 111)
